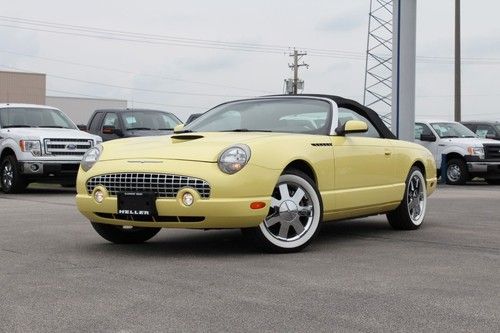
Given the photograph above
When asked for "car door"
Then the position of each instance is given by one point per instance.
(364, 166)
(424, 129)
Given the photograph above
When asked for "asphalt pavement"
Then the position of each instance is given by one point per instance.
(58, 275)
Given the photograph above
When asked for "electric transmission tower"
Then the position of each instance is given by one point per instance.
(378, 70)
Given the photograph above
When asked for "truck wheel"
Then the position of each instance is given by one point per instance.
(123, 235)
(456, 172)
(411, 211)
(10, 178)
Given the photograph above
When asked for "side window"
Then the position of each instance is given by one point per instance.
(95, 122)
(111, 119)
(347, 114)
(422, 129)
(485, 130)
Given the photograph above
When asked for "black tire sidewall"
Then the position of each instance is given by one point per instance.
(463, 171)
(18, 184)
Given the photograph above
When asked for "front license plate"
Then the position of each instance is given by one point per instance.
(136, 204)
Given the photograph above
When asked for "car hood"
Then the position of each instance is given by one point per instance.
(476, 142)
(203, 146)
(37, 133)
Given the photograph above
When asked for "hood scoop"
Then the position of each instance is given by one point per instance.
(186, 137)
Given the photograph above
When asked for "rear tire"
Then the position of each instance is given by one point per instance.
(120, 235)
(456, 172)
(410, 213)
(11, 179)
(294, 216)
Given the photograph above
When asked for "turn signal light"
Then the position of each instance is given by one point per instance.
(257, 205)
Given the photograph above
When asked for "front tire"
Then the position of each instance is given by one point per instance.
(10, 176)
(294, 216)
(123, 235)
(456, 172)
(410, 213)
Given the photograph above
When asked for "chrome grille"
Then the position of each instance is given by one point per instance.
(492, 151)
(163, 185)
(74, 147)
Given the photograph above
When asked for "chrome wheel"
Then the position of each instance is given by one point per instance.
(7, 175)
(454, 173)
(294, 214)
(416, 198)
(291, 212)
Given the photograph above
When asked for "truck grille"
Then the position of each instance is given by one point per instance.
(67, 147)
(163, 185)
(492, 152)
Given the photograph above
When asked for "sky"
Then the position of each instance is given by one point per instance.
(188, 56)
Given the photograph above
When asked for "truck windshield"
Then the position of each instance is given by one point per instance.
(452, 130)
(34, 117)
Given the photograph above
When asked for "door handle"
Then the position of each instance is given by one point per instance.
(388, 153)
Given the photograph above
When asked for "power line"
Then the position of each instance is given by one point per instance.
(129, 88)
(135, 101)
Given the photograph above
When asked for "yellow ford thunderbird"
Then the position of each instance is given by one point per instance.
(277, 167)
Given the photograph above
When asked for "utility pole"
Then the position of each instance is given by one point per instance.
(295, 68)
(458, 88)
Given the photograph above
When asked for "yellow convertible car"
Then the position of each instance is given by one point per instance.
(275, 166)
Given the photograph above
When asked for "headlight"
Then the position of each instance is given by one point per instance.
(234, 158)
(31, 146)
(91, 157)
(476, 151)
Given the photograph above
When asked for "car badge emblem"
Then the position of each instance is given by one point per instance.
(71, 146)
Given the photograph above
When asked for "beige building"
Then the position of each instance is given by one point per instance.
(80, 109)
(19, 87)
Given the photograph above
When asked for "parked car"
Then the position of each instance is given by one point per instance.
(246, 164)
(124, 123)
(39, 144)
(484, 129)
(466, 155)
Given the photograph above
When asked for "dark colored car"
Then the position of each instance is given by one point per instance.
(124, 123)
(484, 129)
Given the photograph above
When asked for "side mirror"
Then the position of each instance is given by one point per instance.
(178, 128)
(427, 137)
(111, 130)
(352, 126)
(82, 127)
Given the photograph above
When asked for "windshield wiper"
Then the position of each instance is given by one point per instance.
(139, 129)
(449, 136)
(165, 129)
(469, 136)
(9, 126)
(246, 130)
(52, 126)
(183, 131)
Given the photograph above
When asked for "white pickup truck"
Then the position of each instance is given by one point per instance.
(39, 144)
(465, 154)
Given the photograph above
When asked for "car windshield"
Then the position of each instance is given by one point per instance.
(34, 117)
(297, 115)
(452, 130)
(149, 120)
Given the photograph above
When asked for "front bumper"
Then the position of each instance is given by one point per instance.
(485, 169)
(57, 169)
(227, 207)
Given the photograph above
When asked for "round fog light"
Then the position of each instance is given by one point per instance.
(187, 199)
(98, 196)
